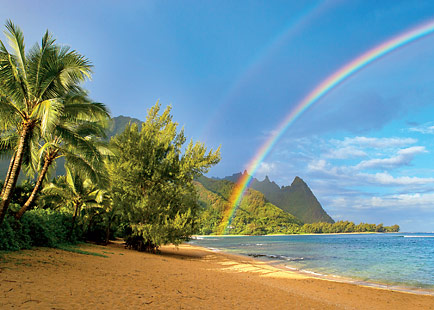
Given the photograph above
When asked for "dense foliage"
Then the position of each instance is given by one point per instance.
(38, 228)
(152, 179)
(346, 227)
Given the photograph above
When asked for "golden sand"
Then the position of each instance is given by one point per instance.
(186, 277)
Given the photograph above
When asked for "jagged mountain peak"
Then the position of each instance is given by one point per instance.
(297, 198)
(298, 180)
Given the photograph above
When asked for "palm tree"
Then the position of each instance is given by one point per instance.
(74, 192)
(74, 138)
(32, 91)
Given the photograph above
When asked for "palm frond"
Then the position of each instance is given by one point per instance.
(8, 140)
(69, 179)
(11, 81)
(9, 114)
(31, 159)
(74, 142)
(77, 68)
(48, 112)
(65, 70)
(105, 150)
(16, 41)
(37, 56)
(87, 169)
(58, 193)
(91, 129)
(86, 111)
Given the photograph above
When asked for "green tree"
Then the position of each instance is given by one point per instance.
(32, 90)
(152, 180)
(75, 138)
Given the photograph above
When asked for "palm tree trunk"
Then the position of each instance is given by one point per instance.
(15, 171)
(47, 162)
(91, 218)
(8, 174)
(107, 231)
(77, 207)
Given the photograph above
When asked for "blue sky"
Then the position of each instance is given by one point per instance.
(232, 70)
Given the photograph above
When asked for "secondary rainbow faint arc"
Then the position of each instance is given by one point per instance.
(317, 93)
(254, 66)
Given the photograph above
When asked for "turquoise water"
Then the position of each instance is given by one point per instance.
(398, 259)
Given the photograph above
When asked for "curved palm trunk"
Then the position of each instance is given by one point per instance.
(8, 174)
(47, 162)
(15, 171)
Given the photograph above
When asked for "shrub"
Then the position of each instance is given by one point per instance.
(38, 227)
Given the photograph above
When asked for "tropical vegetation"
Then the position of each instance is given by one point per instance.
(139, 185)
(33, 89)
(142, 182)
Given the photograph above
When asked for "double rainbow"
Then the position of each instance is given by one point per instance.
(314, 96)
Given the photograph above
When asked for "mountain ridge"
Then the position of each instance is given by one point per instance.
(253, 216)
(296, 199)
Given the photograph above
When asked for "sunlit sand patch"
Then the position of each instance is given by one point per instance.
(263, 269)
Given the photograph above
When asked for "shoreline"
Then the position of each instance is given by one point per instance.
(327, 277)
(355, 281)
(184, 277)
(268, 259)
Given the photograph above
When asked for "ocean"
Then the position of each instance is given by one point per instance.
(396, 260)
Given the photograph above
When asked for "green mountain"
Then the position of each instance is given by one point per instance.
(254, 216)
(119, 123)
(296, 199)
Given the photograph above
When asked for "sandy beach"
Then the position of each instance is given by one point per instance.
(186, 277)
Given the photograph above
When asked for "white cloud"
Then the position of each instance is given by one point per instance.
(320, 165)
(375, 142)
(426, 128)
(404, 157)
(350, 176)
(346, 152)
(266, 168)
(317, 165)
(385, 178)
(390, 202)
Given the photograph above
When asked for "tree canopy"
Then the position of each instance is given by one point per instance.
(152, 180)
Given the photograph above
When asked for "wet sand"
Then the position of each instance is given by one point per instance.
(186, 277)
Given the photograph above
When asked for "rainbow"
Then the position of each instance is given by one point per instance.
(314, 96)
